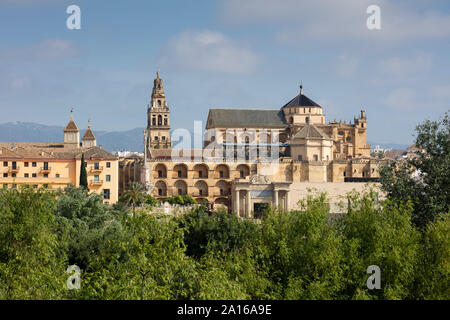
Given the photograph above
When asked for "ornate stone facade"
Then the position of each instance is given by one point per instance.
(306, 148)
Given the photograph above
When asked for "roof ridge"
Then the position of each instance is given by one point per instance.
(245, 109)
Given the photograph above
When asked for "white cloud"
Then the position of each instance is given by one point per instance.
(435, 97)
(207, 50)
(331, 19)
(46, 49)
(441, 92)
(31, 2)
(19, 82)
(402, 98)
(405, 66)
(346, 65)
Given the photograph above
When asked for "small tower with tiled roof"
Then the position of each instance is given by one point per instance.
(72, 133)
(88, 139)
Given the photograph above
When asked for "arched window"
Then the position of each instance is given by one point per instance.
(159, 120)
(154, 121)
(165, 120)
(159, 103)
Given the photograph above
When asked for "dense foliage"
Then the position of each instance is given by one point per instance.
(125, 251)
(424, 179)
(287, 255)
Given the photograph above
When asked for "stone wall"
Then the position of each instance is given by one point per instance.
(336, 192)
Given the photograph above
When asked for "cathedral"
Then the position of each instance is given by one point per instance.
(252, 158)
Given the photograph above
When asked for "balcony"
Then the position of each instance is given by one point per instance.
(45, 170)
(96, 182)
(95, 169)
(14, 169)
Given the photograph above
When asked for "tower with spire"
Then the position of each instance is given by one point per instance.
(72, 133)
(157, 134)
(88, 139)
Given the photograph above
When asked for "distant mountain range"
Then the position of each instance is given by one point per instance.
(131, 140)
(112, 141)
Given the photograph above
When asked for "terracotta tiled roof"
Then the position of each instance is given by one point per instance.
(71, 126)
(310, 131)
(88, 135)
(393, 154)
(51, 151)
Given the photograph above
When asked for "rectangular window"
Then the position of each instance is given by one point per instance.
(45, 175)
(13, 175)
(108, 178)
(57, 175)
(14, 165)
(221, 174)
(5, 163)
(96, 178)
(34, 164)
(242, 173)
(96, 165)
(5, 175)
(316, 157)
(108, 164)
(159, 173)
(300, 158)
(27, 175)
(34, 175)
(25, 164)
(106, 194)
(14, 186)
(200, 174)
(45, 165)
(179, 173)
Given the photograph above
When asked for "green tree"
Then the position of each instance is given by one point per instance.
(379, 234)
(154, 265)
(31, 266)
(434, 268)
(134, 195)
(219, 232)
(85, 225)
(425, 179)
(303, 251)
(83, 173)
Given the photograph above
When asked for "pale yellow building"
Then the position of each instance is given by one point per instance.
(252, 158)
(55, 165)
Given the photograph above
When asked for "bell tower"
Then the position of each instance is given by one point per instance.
(157, 134)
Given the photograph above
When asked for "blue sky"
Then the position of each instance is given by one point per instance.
(225, 53)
